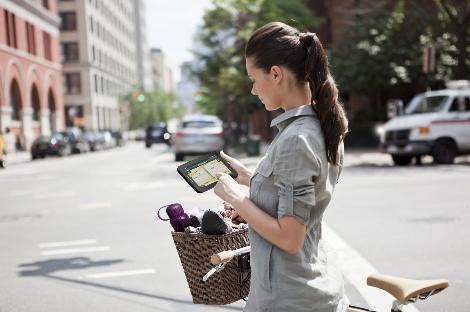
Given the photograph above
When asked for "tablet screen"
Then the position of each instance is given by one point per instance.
(204, 173)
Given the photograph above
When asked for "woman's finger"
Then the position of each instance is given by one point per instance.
(225, 156)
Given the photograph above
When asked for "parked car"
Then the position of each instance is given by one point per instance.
(76, 139)
(108, 140)
(198, 134)
(157, 133)
(435, 123)
(117, 135)
(93, 140)
(54, 144)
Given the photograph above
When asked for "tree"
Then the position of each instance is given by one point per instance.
(148, 107)
(221, 72)
(381, 51)
(451, 34)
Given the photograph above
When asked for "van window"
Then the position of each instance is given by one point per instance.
(430, 104)
(460, 104)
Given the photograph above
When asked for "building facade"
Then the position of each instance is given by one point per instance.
(99, 60)
(162, 76)
(144, 78)
(30, 70)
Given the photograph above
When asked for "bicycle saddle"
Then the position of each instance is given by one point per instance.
(407, 290)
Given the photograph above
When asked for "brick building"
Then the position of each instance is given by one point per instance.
(30, 70)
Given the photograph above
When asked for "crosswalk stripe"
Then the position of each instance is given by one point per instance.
(74, 250)
(120, 273)
(67, 243)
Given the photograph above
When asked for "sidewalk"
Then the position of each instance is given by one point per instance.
(352, 157)
(17, 158)
(371, 157)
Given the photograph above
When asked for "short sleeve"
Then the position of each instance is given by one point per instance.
(295, 169)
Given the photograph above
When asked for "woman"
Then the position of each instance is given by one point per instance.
(293, 183)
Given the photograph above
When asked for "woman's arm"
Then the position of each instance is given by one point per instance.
(286, 233)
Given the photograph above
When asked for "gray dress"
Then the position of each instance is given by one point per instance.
(295, 179)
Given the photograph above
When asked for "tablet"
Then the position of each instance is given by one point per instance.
(201, 172)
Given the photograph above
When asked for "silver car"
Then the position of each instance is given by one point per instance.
(198, 134)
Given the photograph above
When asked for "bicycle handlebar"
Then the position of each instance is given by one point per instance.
(227, 255)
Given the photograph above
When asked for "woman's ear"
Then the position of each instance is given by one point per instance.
(276, 73)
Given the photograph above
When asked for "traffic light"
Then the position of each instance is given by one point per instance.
(141, 98)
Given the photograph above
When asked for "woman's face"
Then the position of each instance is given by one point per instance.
(264, 86)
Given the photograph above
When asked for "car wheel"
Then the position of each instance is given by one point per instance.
(179, 157)
(444, 152)
(3, 164)
(148, 145)
(399, 160)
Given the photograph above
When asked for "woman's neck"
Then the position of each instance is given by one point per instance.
(296, 96)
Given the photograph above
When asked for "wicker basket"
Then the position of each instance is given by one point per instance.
(194, 250)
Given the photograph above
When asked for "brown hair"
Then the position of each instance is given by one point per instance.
(303, 54)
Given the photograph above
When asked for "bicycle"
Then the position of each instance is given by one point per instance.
(404, 290)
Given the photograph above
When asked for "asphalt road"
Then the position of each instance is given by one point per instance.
(81, 233)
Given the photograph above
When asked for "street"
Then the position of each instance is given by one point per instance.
(81, 232)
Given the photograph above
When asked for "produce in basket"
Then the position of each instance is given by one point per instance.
(179, 220)
(213, 223)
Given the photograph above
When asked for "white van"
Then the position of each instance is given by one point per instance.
(435, 123)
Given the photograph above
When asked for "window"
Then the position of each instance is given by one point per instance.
(35, 103)
(96, 83)
(45, 3)
(10, 27)
(91, 23)
(15, 100)
(93, 52)
(47, 46)
(460, 104)
(70, 52)
(30, 38)
(69, 21)
(102, 85)
(73, 84)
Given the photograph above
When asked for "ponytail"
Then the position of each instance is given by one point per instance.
(302, 53)
(325, 103)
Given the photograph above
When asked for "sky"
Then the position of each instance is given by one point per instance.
(171, 25)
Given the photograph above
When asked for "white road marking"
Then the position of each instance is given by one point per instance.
(55, 195)
(97, 205)
(74, 250)
(67, 243)
(24, 192)
(121, 273)
(356, 269)
(138, 186)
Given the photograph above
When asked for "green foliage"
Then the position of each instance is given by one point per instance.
(380, 48)
(152, 106)
(383, 48)
(451, 35)
(221, 72)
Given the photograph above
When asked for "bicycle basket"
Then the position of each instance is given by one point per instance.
(194, 250)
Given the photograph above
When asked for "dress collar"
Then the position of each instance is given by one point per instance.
(304, 110)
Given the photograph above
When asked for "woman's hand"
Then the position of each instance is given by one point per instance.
(244, 174)
(228, 189)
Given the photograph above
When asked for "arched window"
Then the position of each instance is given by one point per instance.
(52, 110)
(15, 100)
(35, 102)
